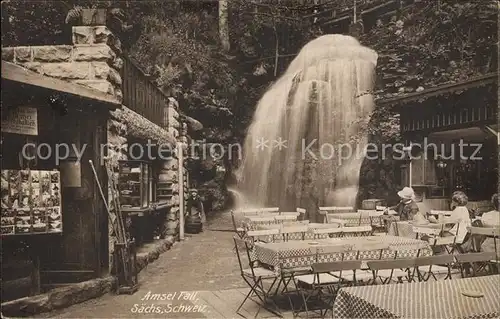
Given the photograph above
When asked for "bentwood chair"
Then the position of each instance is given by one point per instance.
(254, 276)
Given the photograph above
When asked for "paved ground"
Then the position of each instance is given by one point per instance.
(203, 262)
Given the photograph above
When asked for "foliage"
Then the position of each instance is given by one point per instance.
(432, 43)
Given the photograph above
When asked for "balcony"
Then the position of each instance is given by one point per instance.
(141, 95)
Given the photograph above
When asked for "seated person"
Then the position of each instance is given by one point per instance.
(491, 219)
(460, 214)
(407, 208)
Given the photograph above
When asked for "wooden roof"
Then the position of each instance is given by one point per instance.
(16, 73)
(407, 99)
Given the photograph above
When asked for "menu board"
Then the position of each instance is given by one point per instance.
(31, 202)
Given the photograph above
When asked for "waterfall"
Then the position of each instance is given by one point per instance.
(240, 201)
(308, 118)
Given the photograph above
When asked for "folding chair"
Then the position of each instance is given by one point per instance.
(254, 276)
(378, 224)
(385, 270)
(325, 276)
(238, 230)
(493, 232)
(478, 262)
(302, 213)
(334, 209)
(248, 212)
(388, 220)
(332, 219)
(322, 233)
(269, 234)
(427, 267)
(286, 216)
(287, 272)
(294, 232)
(269, 210)
(423, 232)
(357, 231)
(447, 244)
(477, 236)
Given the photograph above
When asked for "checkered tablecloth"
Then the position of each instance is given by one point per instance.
(405, 229)
(436, 300)
(294, 254)
(253, 222)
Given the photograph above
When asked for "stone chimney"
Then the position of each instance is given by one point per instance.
(92, 61)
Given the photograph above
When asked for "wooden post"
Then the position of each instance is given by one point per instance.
(180, 158)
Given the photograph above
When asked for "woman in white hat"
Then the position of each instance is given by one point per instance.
(407, 208)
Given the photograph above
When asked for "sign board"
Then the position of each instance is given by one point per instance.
(21, 120)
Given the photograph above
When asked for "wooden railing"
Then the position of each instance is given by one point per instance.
(141, 95)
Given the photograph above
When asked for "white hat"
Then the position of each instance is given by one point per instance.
(407, 193)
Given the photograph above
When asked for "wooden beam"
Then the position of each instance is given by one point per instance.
(19, 74)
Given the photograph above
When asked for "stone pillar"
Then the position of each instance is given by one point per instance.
(171, 167)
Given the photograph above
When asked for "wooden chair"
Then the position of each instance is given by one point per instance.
(478, 262)
(238, 230)
(430, 266)
(254, 276)
(334, 209)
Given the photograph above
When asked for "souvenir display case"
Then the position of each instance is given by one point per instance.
(164, 185)
(31, 202)
(134, 184)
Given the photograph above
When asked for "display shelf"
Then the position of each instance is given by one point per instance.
(134, 183)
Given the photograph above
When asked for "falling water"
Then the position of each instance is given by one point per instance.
(239, 201)
(321, 101)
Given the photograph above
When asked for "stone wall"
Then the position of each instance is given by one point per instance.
(92, 61)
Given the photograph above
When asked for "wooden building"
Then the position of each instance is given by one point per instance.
(41, 250)
(453, 131)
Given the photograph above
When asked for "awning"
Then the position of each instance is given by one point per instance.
(16, 73)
